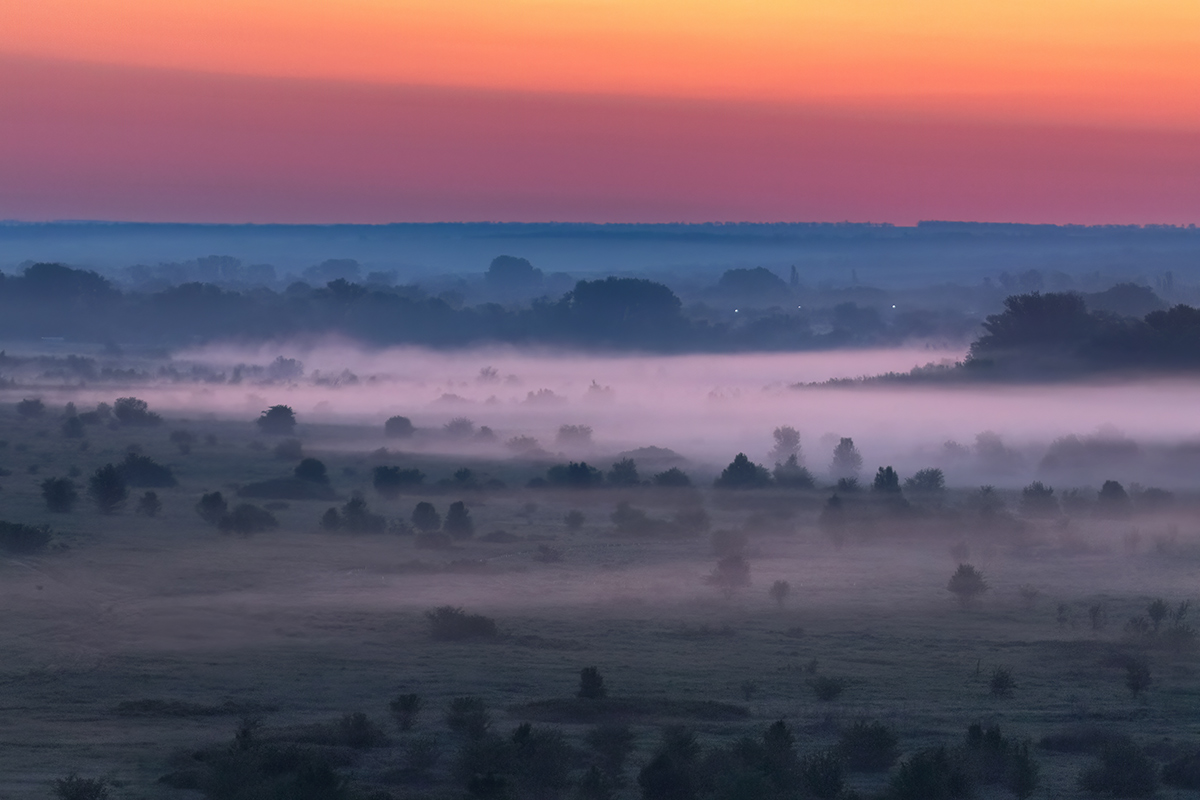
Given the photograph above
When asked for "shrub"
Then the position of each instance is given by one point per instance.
(107, 489)
(212, 507)
(458, 521)
(74, 787)
(143, 471)
(827, 688)
(391, 481)
(60, 494)
(331, 520)
(574, 475)
(1038, 500)
(1157, 611)
(821, 773)
(1137, 676)
(792, 474)
(448, 624)
(459, 428)
(926, 481)
(425, 518)
(72, 428)
(31, 408)
(398, 428)
(1021, 777)
(624, 473)
(591, 684)
(247, 519)
(312, 470)
(967, 583)
(356, 730)
(886, 481)
(149, 504)
(929, 775)
(743, 474)
(779, 591)
(1122, 770)
(574, 520)
(19, 539)
(847, 461)
(673, 478)
(468, 717)
(868, 747)
(612, 744)
(1001, 682)
(134, 412)
(357, 518)
(277, 421)
(573, 436)
(405, 709)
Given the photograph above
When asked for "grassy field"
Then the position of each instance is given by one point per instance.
(298, 626)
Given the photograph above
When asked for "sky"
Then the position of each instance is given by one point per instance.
(601, 110)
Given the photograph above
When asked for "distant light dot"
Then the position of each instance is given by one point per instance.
(893, 305)
(735, 311)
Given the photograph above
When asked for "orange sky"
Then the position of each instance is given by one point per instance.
(1083, 111)
(1126, 62)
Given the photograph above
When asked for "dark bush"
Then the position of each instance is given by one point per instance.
(390, 482)
(612, 745)
(331, 520)
(212, 507)
(398, 428)
(868, 747)
(183, 440)
(1122, 770)
(827, 688)
(791, 474)
(574, 476)
(145, 472)
(19, 539)
(134, 412)
(72, 428)
(929, 481)
(405, 709)
(624, 473)
(673, 478)
(822, 774)
(886, 481)
(277, 421)
(356, 730)
(967, 583)
(468, 717)
(1001, 682)
(779, 591)
(310, 469)
(731, 573)
(247, 519)
(107, 489)
(591, 684)
(74, 787)
(541, 762)
(425, 517)
(31, 408)
(574, 520)
(1137, 676)
(448, 623)
(743, 474)
(1038, 500)
(929, 775)
(149, 504)
(357, 518)
(458, 521)
(60, 494)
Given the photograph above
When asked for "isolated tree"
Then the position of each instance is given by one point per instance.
(60, 494)
(405, 709)
(673, 478)
(928, 481)
(72, 428)
(967, 583)
(459, 428)
(1157, 611)
(1137, 676)
(1038, 500)
(742, 473)
(183, 440)
(247, 519)
(779, 591)
(591, 684)
(312, 470)
(149, 504)
(787, 444)
(847, 461)
(212, 507)
(398, 428)
(135, 413)
(74, 787)
(624, 473)
(1113, 499)
(425, 517)
(107, 489)
(886, 481)
(573, 436)
(791, 474)
(391, 481)
(458, 521)
(31, 408)
(277, 421)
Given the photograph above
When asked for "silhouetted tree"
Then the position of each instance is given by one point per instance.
(60, 494)
(1113, 499)
(847, 461)
(398, 428)
(574, 476)
(425, 517)
(591, 684)
(390, 482)
(624, 473)
(458, 521)
(967, 583)
(356, 517)
(787, 444)
(184, 440)
(1038, 500)
(672, 478)
(277, 421)
(732, 573)
(742, 473)
(107, 489)
(886, 481)
(791, 474)
(72, 428)
(31, 408)
(149, 504)
(779, 591)
(312, 470)
(405, 709)
(134, 412)
(930, 481)
(212, 507)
